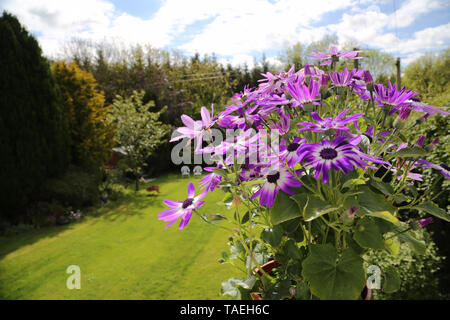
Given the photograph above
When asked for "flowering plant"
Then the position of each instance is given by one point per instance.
(318, 168)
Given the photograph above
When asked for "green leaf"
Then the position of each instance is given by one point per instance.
(301, 199)
(367, 234)
(279, 291)
(316, 207)
(391, 246)
(236, 286)
(284, 209)
(434, 210)
(302, 291)
(245, 218)
(292, 251)
(385, 215)
(353, 244)
(371, 202)
(353, 182)
(333, 277)
(291, 225)
(392, 281)
(418, 246)
(413, 152)
(383, 187)
(272, 236)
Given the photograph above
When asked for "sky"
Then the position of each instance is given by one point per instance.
(239, 31)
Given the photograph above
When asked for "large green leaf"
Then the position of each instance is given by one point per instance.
(315, 207)
(367, 234)
(331, 276)
(371, 202)
(272, 236)
(413, 152)
(385, 215)
(292, 251)
(284, 209)
(434, 210)
(408, 237)
(381, 186)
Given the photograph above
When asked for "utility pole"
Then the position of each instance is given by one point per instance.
(356, 61)
(399, 80)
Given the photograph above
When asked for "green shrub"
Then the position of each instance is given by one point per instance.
(76, 188)
(417, 272)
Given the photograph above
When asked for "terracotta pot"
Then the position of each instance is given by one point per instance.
(366, 294)
(256, 296)
(267, 267)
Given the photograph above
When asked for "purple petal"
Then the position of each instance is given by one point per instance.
(191, 190)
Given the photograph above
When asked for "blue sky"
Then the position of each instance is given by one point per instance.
(239, 31)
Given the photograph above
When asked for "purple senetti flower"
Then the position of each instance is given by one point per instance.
(443, 168)
(275, 83)
(342, 79)
(334, 55)
(277, 179)
(419, 106)
(340, 154)
(182, 209)
(303, 94)
(196, 129)
(211, 180)
(326, 124)
(310, 71)
(288, 151)
(390, 97)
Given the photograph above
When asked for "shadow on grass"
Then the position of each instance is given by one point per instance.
(127, 205)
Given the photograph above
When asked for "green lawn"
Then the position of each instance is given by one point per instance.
(123, 252)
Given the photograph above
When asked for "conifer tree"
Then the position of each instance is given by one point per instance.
(32, 134)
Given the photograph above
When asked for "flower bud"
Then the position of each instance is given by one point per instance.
(324, 81)
(420, 141)
(368, 80)
(423, 222)
(349, 215)
(307, 71)
(365, 142)
(432, 145)
(404, 113)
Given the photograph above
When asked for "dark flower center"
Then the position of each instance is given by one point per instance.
(187, 202)
(273, 178)
(292, 147)
(328, 153)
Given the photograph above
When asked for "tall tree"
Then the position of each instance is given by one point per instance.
(91, 134)
(138, 131)
(33, 139)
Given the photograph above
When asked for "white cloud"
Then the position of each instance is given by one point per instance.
(234, 28)
(239, 60)
(259, 25)
(427, 39)
(412, 9)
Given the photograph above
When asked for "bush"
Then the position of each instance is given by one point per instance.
(76, 188)
(417, 272)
